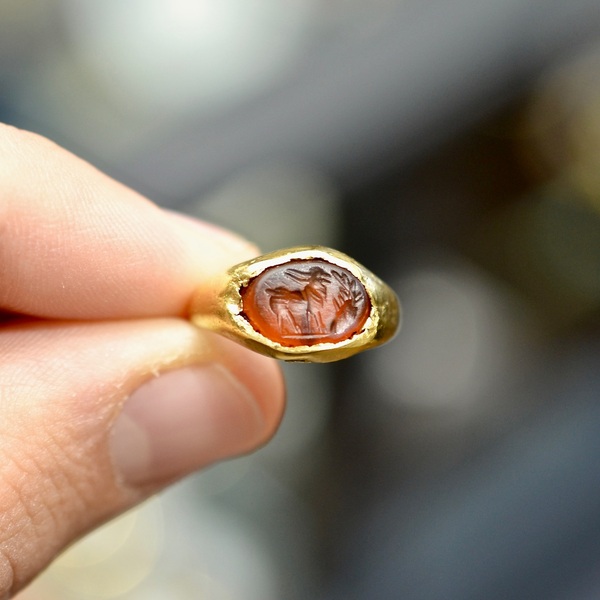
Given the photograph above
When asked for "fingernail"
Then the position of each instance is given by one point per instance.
(181, 421)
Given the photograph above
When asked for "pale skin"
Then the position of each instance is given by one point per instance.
(95, 282)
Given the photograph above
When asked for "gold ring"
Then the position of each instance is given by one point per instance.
(309, 304)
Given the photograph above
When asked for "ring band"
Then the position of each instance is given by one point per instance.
(309, 304)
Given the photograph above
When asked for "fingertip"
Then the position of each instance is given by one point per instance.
(115, 411)
(185, 419)
(230, 242)
(79, 245)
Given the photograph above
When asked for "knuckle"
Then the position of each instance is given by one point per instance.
(27, 520)
(45, 500)
(7, 575)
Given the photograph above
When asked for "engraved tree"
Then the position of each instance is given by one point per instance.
(346, 302)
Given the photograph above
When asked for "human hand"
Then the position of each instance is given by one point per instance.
(94, 280)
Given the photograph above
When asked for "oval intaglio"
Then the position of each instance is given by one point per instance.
(306, 302)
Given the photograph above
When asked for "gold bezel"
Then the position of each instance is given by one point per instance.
(224, 313)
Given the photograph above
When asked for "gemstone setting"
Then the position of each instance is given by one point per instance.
(305, 303)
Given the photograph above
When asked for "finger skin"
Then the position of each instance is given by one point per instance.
(110, 272)
(63, 387)
(74, 244)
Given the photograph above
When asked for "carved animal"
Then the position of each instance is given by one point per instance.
(298, 311)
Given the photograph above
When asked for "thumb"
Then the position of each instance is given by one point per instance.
(101, 415)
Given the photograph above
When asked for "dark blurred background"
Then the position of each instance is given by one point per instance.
(453, 147)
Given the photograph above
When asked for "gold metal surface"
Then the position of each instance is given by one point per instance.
(218, 307)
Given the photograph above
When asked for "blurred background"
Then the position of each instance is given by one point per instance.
(453, 147)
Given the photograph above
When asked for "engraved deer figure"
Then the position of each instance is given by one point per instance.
(298, 311)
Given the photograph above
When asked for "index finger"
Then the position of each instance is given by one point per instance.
(75, 244)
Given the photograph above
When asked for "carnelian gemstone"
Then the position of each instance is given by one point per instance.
(306, 302)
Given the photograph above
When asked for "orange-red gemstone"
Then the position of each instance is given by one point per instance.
(306, 302)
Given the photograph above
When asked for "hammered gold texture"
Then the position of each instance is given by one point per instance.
(372, 320)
